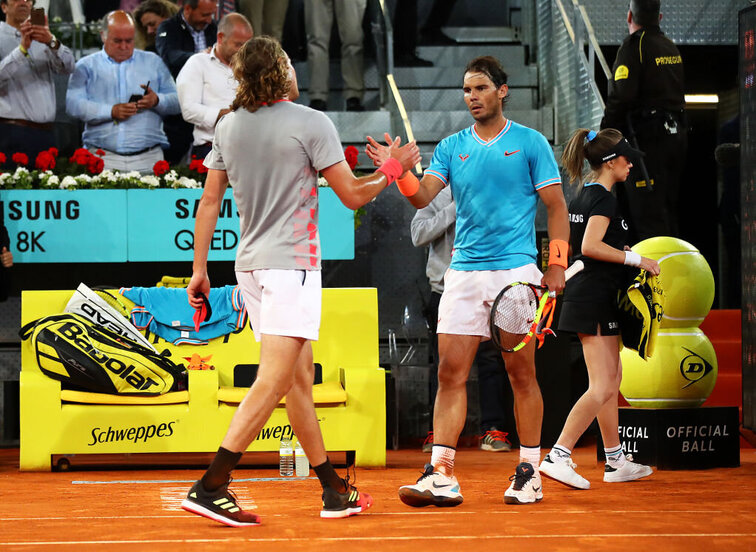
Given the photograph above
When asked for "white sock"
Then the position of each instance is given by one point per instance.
(443, 456)
(615, 457)
(560, 453)
(531, 455)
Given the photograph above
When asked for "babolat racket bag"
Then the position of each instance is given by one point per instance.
(88, 357)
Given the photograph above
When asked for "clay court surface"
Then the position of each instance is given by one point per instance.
(138, 509)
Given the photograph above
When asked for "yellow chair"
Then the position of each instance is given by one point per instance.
(350, 403)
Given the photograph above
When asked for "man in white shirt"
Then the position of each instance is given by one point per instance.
(206, 84)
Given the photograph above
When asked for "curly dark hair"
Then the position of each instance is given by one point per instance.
(489, 66)
(261, 68)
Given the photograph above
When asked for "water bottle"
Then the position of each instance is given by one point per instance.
(286, 458)
(302, 465)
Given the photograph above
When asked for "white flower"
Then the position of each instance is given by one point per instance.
(6, 179)
(150, 180)
(53, 180)
(322, 182)
(186, 182)
(170, 176)
(68, 182)
(21, 171)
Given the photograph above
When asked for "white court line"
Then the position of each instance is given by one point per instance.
(386, 538)
(187, 481)
(407, 513)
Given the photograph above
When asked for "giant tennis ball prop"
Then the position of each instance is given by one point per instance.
(681, 374)
(686, 277)
(683, 370)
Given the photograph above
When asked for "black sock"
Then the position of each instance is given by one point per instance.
(220, 469)
(328, 477)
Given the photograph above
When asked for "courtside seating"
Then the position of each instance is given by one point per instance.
(350, 403)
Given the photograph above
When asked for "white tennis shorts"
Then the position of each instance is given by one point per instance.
(282, 302)
(465, 305)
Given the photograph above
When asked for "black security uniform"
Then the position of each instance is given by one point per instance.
(590, 297)
(646, 101)
(4, 272)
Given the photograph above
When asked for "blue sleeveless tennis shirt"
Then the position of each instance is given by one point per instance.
(495, 185)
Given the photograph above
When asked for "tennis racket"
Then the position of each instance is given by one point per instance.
(517, 312)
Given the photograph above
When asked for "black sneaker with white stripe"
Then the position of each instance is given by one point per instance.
(219, 505)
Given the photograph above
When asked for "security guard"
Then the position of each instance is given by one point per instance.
(646, 103)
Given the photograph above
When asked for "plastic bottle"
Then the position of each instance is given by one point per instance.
(286, 458)
(302, 465)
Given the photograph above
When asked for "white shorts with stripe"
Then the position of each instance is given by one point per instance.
(282, 302)
(465, 305)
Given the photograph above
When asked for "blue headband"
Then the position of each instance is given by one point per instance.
(591, 135)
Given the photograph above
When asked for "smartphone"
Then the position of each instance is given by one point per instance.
(38, 17)
(135, 98)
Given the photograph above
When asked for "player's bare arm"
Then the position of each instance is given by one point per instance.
(355, 192)
(559, 229)
(204, 226)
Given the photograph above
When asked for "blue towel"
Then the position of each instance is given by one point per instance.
(166, 312)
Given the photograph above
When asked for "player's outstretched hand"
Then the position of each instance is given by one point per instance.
(6, 258)
(199, 283)
(650, 265)
(408, 155)
(378, 153)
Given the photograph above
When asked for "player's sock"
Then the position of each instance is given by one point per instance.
(328, 477)
(560, 453)
(615, 457)
(220, 469)
(531, 455)
(443, 456)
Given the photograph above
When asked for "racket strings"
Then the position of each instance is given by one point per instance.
(514, 314)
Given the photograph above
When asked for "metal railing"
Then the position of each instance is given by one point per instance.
(562, 40)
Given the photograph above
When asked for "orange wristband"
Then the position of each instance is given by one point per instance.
(408, 185)
(558, 250)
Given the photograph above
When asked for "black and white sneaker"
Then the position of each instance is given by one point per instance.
(630, 471)
(219, 505)
(526, 487)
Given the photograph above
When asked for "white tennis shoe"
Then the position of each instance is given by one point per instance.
(563, 470)
(630, 471)
(432, 489)
(526, 487)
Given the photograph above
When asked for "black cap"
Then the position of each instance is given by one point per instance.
(622, 147)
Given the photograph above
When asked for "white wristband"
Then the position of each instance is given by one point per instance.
(632, 258)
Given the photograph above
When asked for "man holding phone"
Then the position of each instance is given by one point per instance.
(126, 119)
(30, 55)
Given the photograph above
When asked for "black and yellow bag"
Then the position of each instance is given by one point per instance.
(88, 357)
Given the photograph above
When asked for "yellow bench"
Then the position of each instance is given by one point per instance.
(350, 403)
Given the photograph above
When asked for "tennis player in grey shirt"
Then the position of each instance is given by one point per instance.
(270, 151)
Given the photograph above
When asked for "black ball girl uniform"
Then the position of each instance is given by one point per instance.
(590, 297)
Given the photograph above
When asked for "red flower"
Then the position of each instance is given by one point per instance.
(197, 165)
(161, 167)
(45, 161)
(100, 152)
(53, 152)
(2, 158)
(81, 157)
(20, 159)
(95, 165)
(351, 154)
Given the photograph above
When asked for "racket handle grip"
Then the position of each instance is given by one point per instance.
(574, 268)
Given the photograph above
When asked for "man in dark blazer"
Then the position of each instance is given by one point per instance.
(190, 31)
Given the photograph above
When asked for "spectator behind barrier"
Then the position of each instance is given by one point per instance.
(147, 17)
(30, 55)
(206, 85)
(266, 16)
(123, 119)
(190, 31)
(319, 15)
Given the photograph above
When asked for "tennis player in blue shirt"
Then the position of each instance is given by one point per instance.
(497, 170)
